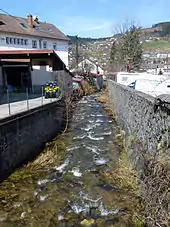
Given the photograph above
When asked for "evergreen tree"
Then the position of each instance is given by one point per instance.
(128, 47)
(131, 47)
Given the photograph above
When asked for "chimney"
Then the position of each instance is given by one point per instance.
(30, 21)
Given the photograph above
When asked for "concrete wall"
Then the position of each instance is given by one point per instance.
(60, 46)
(23, 135)
(138, 114)
(64, 80)
(41, 74)
(99, 82)
(150, 84)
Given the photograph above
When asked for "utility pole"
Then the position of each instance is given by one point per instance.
(77, 54)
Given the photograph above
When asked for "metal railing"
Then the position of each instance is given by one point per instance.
(14, 102)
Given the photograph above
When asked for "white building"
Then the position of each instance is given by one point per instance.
(88, 66)
(151, 84)
(30, 36)
(23, 34)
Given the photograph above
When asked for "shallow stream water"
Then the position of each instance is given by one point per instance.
(73, 192)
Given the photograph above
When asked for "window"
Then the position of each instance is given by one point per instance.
(44, 44)
(23, 25)
(18, 41)
(7, 40)
(37, 28)
(26, 42)
(51, 31)
(11, 40)
(55, 46)
(22, 42)
(2, 23)
(34, 43)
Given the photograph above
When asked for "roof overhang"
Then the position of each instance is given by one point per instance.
(35, 57)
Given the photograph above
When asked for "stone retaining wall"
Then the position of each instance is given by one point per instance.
(146, 122)
(141, 115)
(22, 136)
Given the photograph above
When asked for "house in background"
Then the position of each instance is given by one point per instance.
(151, 84)
(88, 66)
(28, 51)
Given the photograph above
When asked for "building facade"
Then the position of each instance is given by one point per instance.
(25, 35)
(21, 33)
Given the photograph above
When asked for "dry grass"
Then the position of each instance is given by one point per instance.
(156, 193)
(84, 89)
(104, 98)
(87, 88)
(51, 156)
(124, 176)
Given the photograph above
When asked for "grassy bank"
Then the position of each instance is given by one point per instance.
(156, 45)
(124, 175)
(150, 192)
(104, 99)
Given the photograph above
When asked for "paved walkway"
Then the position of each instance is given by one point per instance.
(18, 107)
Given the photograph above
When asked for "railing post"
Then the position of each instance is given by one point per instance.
(57, 92)
(8, 101)
(42, 94)
(27, 98)
(33, 90)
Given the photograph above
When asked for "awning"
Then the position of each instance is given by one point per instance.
(35, 57)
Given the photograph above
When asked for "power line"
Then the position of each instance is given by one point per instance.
(5, 12)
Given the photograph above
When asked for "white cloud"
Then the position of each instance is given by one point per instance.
(87, 26)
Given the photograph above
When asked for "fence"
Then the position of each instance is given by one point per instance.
(14, 102)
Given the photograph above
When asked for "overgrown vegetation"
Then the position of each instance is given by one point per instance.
(84, 88)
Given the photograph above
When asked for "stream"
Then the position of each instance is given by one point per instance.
(72, 192)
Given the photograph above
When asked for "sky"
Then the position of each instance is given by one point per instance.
(91, 18)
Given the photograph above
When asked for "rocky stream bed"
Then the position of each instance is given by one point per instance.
(69, 187)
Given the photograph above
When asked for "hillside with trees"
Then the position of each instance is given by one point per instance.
(153, 39)
(85, 40)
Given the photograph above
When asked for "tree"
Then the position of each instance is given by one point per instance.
(127, 48)
(116, 63)
(165, 29)
(131, 47)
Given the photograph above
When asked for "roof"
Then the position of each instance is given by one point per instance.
(77, 79)
(36, 56)
(32, 56)
(18, 52)
(13, 24)
(96, 74)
